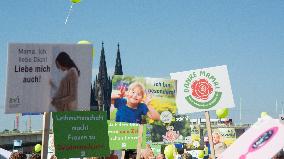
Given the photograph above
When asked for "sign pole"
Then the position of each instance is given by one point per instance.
(122, 154)
(45, 135)
(140, 133)
(209, 131)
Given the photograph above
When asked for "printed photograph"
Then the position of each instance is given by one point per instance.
(142, 100)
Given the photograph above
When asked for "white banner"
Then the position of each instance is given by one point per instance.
(5, 153)
(263, 140)
(48, 77)
(203, 90)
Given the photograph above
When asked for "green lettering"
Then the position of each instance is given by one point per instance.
(212, 78)
(202, 73)
(207, 75)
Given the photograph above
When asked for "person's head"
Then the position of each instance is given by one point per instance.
(135, 93)
(279, 155)
(53, 157)
(216, 137)
(18, 155)
(64, 62)
(186, 156)
(147, 153)
(160, 156)
(205, 139)
(35, 156)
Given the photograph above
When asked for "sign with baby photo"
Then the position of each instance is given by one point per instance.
(125, 135)
(80, 134)
(203, 90)
(48, 77)
(143, 100)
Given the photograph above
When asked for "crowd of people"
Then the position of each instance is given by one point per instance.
(145, 154)
(21, 155)
(148, 153)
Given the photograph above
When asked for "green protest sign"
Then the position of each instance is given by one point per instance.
(125, 135)
(80, 134)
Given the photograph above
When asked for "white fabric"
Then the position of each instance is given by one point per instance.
(5, 153)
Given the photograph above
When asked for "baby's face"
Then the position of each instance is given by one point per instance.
(135, 95)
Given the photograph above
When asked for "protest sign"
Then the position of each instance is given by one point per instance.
(48, 77)
(154, 97)
(4, 153)
(228, 134)
(80, 134)
(124, 135)
(262, 140)
(203, 90)
(195, 132)
(178, 131)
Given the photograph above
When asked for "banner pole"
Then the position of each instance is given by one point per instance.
(140, 133)
(45, 135)
(122, 154)
(209, 131)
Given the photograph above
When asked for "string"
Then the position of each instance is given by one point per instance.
(70, 9)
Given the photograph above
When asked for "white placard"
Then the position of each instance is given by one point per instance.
(203, 90)
(5, 153)
(48, 77)
(263, 140)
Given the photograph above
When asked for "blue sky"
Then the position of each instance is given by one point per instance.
(163, 36)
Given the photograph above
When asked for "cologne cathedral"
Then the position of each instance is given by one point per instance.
(102, 86)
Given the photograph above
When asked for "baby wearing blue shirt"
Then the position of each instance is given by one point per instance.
(131, 108)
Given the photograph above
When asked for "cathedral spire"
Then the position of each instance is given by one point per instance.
(102, 68)
(118, 66)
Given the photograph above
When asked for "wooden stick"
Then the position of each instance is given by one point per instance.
(122, 154)
(140, 134)
(209, 131)
(45, 135)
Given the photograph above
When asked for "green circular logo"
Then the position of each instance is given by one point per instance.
(202, 89)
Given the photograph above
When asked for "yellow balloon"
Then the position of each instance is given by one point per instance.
(263, 114)
(75, 1)
(37, 147)
(200, 154)
(206, 151)
(170, 151)
(195, 137)
(222, 113)
(84, 42)
(87, 42)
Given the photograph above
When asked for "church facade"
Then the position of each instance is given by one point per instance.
(102, 86)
